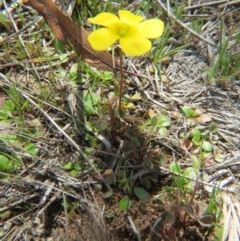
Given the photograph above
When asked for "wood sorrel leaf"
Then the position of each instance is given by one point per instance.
(141, 193)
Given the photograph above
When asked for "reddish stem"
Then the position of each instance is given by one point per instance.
(121, 80)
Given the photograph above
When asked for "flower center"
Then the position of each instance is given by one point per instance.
(124, 30)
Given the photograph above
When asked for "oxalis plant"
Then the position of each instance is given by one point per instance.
(133, 34)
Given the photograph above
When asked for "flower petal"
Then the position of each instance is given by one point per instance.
(135, 45)
(130, 18)
(152, 28)
(102, 38)
(104, 19)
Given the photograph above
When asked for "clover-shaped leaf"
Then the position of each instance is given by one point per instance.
(141, 193)
(207, 146)
(125, 203)
(187, 111)
(205, 221)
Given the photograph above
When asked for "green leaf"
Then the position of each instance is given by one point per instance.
(190, 172)
(168, 217)
(196, 163)
(126, 98)
(135, 142)
(219, 158)
(3, 115)
(9, 106)
(141, 193)
(101, 125)
(73, 78)
(163, 131)
(174, 167)
(159, 204)
(106, 75)
(4, 177)
(58, 45)
(116, 87)
(4, 162)
(197, 113)
(31, 148)
(74, 69)
(91, 100)
(196, 134)
(125, 204)
(205, 221)
(218, 232)
(196, 141)
(145, 182)
(9, 137)
(154, 121)
(187, 111)
(68, 166)
(213, 128)
(98, 187)
(73, 173)
(190, 211)
(107, 194)
(164, 121)
(207, 146)
(78, 166)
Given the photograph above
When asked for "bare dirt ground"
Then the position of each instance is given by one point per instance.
(42, 201)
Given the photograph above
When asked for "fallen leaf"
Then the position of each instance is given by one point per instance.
(71, 34)
(135, 97)
(203, 118)
(128, 106)
(164, 79)
(165, 60)
(151, 113)
(186, 144)
(197, 113)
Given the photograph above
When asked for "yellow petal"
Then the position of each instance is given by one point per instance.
(130, 18)
(102, 38)
(152, 28)
(104, 19)
(135, 45)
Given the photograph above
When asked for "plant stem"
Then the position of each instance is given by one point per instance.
(121, 80)
(195, 189)
(111, 114)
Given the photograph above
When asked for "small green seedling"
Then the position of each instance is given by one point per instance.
(125, 204)
(72, 168)
(157, 123)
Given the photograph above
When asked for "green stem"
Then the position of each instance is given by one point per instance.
(121, 80)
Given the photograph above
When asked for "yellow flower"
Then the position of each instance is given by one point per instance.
(132, 32)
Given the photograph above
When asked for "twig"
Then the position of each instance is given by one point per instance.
(205, 4)
(134, 229)
(23, 200)
(66, 217)
(53, 199)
